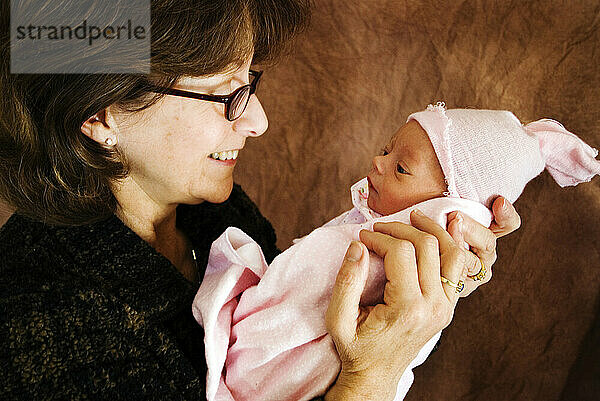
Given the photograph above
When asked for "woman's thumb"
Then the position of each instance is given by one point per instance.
(343, 310)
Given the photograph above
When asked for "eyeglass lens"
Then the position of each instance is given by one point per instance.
(239, 103)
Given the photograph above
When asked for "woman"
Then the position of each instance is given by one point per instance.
(120, 185)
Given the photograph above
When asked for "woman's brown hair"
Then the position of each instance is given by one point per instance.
(49, 170)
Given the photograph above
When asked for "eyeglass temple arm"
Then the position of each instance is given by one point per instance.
(201, 96)
(193, 95)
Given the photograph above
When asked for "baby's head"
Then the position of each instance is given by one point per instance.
(406, 172)
(473, 154)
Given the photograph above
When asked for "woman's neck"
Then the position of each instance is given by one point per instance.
(152, 220)
(155, 223)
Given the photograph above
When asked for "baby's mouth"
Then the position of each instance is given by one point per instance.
(225, 155)
(371, 187)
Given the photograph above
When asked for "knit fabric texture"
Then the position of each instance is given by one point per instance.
(94, 312)
(487, 153)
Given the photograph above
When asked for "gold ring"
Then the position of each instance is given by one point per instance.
(458, 287)
(479, 275)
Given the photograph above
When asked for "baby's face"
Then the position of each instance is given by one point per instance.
(407, 172)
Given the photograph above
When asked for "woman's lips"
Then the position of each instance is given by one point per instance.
(225, 158)
(229, 162)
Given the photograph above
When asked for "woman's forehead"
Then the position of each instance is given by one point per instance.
(215, 80)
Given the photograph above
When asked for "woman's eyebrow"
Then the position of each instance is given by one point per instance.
(217, 83)
(189, 83)
(209, 83)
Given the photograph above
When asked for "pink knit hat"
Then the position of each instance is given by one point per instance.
(486, 153)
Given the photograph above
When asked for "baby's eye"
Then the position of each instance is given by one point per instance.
(401, 170)
(384, 152)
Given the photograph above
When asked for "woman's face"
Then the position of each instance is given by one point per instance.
(170, 145)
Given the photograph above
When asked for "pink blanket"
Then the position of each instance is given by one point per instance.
(264, 325)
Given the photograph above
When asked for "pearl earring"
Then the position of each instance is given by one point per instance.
(109, 141)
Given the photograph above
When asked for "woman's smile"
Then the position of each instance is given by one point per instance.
(227, 157)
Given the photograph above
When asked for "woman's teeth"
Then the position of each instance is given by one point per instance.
(227, 155)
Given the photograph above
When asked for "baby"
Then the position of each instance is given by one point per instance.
(264, 324)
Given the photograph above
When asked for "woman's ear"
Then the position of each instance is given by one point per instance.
(101, 127)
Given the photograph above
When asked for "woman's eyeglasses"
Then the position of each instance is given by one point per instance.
(235, 103)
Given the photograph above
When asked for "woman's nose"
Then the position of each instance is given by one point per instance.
(378, 164)
(253, 121)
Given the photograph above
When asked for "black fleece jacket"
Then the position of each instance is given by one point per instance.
(94, 312)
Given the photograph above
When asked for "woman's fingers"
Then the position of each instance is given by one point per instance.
(399, 263)
(480, 238)
(379, 342)
(425, 248)
(455, 229)
(478, 270)
(471, 283)
(431, 243)
(482, 253)
(506, 218)
(343, 310)
(452, 256)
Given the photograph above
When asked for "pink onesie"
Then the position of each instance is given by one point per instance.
(264, 325)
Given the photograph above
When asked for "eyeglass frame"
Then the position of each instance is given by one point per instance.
(226, 99)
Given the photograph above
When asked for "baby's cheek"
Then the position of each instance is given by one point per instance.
(386, 204)
(395, 202)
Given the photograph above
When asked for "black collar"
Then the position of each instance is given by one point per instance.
(107, 256)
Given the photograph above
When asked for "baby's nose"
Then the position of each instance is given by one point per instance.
(378, 164)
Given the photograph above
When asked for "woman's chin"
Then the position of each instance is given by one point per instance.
(220, 194)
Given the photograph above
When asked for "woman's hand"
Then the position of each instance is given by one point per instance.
(482, 241)
(377, 343)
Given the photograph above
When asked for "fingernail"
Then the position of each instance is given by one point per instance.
(504, 205)
(418, 212)
(460, 220)
(354, 252)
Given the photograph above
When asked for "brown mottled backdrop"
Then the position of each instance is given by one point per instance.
(352, 80)
(356, 74)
